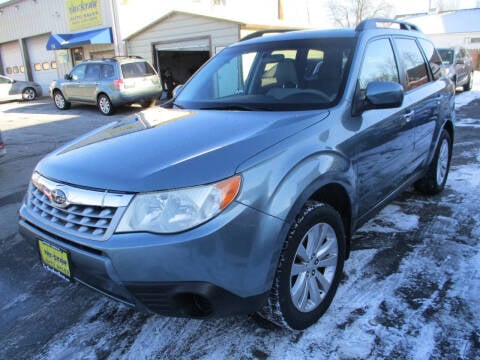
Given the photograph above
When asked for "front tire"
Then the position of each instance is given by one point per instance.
(105, 105)
(434, 180)
(309, 269)
(29, 94)
(60, 101)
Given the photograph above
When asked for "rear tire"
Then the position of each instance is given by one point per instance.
(105, 105)
(60, 101)
(146, 103)
(29, 94)
(434, 180)
(309, 269)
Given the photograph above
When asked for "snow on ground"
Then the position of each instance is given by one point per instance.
(410, 291)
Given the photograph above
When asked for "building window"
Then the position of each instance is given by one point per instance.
(37, 67)
(46, 65)
(15, 70)
(77, 54)
(475, 40)
(53, 64)
(9, 70)
(22, 69)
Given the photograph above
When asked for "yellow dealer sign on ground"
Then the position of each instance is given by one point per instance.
(83, 14)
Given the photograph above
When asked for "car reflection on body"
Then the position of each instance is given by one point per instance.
(11, 89)
(459, 66)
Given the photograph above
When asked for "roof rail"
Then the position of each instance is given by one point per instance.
(264, 32)
(372, 24)
(115, 58)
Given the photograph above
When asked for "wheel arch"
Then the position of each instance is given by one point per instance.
(337, 197)
(103, 93)
(334, 194)
(449, 127)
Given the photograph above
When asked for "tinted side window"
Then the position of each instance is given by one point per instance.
(93, 72)
(378, 64)
(434, 59)
(78, 73)
(413, 63)
(107, 71)
(137, 69)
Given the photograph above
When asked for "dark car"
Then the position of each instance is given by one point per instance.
(243, 194)
(108, 83)
(459, 66)
(11, 89)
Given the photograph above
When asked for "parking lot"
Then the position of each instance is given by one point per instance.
(410, 288)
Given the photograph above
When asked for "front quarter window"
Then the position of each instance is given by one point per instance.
(283, 75)
(378, 64)
(78, 73)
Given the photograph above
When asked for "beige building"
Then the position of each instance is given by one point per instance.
(181, 42)
(42, 40)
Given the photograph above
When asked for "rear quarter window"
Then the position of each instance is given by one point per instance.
(413, 63)
(137, 69)
(434, 59)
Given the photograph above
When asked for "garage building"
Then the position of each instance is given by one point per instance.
(180, 42)
(74, 29)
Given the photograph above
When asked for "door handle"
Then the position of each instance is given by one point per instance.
(408, 116)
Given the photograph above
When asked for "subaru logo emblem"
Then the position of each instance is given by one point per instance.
(58, 198)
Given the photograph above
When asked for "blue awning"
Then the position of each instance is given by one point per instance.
(66, 41)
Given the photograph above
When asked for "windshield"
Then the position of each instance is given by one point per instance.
(287, 75)
(447, 55)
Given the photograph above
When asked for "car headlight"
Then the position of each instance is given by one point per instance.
(178, 210)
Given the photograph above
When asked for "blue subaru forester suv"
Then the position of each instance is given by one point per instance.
(241, 195)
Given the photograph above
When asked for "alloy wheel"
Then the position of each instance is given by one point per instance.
(313, 267)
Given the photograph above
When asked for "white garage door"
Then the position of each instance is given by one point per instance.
(12, 60)
(42, 61)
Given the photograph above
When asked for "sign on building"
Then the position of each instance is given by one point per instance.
(83, 14)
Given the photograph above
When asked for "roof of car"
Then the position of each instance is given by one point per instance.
(368, 25)
(301, 35)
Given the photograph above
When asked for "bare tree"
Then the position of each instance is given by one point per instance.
(348, 13)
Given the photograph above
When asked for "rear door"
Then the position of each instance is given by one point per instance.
(91, 82)
(139, 78)
(424, 94)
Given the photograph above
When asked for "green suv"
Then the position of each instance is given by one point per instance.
(108, 83)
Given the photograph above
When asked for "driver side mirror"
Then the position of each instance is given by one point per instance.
(379, 95)
(68, 77)
(177, 90)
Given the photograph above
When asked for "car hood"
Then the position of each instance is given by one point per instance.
(163, 149)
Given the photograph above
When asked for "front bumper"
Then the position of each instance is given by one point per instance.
(222, 267)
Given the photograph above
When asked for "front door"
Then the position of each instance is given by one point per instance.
(383, 146)
(73, 87)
